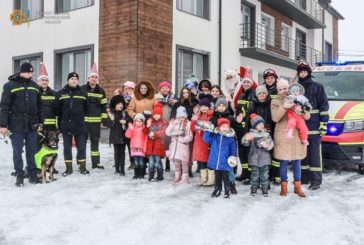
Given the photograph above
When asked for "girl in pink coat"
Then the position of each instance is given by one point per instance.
(138, 142)
(179, 151)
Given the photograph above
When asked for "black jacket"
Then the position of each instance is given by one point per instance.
(117, 130)
(262, 109)
(20, 106)
(71, 104)
(316, 95)
(49, 112)
(243, 106)
(233, 123)
(272, 90)
(96, 100)
(189, 108)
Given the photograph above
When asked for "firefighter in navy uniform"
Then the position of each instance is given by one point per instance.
(96, 114)
(20, 114)
(317, 125)
(270, 81)
(71, 105)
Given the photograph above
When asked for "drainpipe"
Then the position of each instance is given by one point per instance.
(220, 35)
(323, 31)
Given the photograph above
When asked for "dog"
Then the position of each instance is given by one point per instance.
(47, 155)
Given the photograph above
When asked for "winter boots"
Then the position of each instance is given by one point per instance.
(177, 177)
(216, 193)
(136, 172)
(203, 176)
(131, 166)
(284, 190)
(69, 169)
(298, 189)
(19, 181)
(233, 188)
(210, 178)
(98, 166)
(83, 169)
(160, 175)
(151, 175)
(184, 179)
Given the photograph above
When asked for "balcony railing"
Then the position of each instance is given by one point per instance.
(256, 35)
(311, 7)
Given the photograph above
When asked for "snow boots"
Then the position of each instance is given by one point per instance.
(160, 175)
(210, 178)
(216, 193)
(151, 175)
(233, 188)
(203, 176)
(177, 177)
(284, 190)
(69, 169)
(83, 169)
(298, 190)
(136, 172)
(184, 179)
(19, 181)
(98, 166)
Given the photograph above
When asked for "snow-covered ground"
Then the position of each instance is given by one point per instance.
(107, 209)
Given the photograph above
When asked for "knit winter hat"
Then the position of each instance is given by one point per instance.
(139, 116)
(165, 84)
(181, 112)
(73, 74)
(158, 109)
(205, 102)
(261, 89)
(129, 84)
(43, 74)
(190, 85)
(248, 80)
(221, 101)
(255, 120)
(282, 83)
(295, 87)
(222, 121)
(26, 67)
(116, 100)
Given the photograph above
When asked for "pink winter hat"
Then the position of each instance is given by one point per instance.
(129, 84)
(165, 84)
(43, 74)
(93, 71)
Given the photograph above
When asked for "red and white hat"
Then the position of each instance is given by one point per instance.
(43, 74)
(93, 71)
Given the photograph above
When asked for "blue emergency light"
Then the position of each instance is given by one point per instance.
(334, 129)
(339, 63)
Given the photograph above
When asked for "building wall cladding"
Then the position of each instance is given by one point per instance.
(335, 44)
(135, 42)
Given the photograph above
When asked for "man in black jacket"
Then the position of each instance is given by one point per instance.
(71, 108)
(20, 113)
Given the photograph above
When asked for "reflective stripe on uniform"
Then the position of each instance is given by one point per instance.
(93, 119)
(323, 113)
(317, 169)
(104, 115)
(47, 97)
(275, 163)
(103, 101)
(79, 97)
(314, 111)
(94, 95)
(22, 88)
(314, 132)
(65, 97)
(95, 153)
(305, 167)
(49, 121)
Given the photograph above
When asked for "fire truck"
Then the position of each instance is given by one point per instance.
(344, 85)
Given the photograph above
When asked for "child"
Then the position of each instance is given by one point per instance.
(120, 120)
(259, 156)
(200, 148)
(155, 130)
(295, 115)
(179, 152)
(222, 147)
(137, 144)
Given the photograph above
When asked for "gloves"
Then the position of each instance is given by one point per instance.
(323, 128)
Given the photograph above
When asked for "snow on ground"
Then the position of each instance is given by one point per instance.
(104, 208)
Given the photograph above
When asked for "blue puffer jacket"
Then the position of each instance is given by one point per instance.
(221, 148)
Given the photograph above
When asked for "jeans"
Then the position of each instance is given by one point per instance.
(155, 162)
(31, 145)
(260, 175)
(139, 161)
(231, 176)
(296, 164)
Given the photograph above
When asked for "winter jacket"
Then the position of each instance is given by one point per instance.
(20, 106)
(155, 145)
(259, 156)
(286, 149)
(167, 108)
(181, 136)
(233, 123)
(96, 103)
(117, 130)
(142, 103)
(262, 109)
(222, 146)
(316, 95)
(138, 140)
(200, 148)
(185, 104)
(243, 105)
(272, 90)
(49, 113)
(71, 106)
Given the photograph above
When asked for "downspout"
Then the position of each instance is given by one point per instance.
(323, 31)
(220, 35)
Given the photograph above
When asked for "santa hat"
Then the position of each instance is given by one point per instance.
(158, 109)
(93, 71)
(255, 120)
(222, 121)
(43, 74)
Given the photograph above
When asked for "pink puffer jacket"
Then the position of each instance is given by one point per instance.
(180, 138)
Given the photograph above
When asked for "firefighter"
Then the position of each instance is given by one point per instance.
(20, 114)
(317, 125)
(71, 106)
(96, 114)
(270, 81)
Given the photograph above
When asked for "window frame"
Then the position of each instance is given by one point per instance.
(206, 64)
(289, 36)
(16, 61)
(57, 9)
(206, 16)
(42, 9)
(272, 28)
(58, 61)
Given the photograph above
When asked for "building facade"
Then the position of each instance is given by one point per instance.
(165, 39)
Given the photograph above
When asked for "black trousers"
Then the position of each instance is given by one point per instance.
(119, 157)
(130, 157)
(80, 145)
(243, 156)
(311, 166)
(93, 131)
(220, 177)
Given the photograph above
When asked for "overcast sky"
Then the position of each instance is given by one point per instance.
(351, 31)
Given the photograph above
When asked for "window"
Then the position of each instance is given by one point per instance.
(285, 37)
(199, 8)
(246, 21)
(34, 9)
(268, 32)
(68, 5)
(328, 52)
(190, 62)
(73, 60)
(33, 59)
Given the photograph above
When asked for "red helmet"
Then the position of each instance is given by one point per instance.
(303, 66)
(270, 72)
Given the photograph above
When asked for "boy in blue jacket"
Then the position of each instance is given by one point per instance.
(222, 150)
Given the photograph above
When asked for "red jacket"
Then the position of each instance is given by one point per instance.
(201, 150)
(155, 146)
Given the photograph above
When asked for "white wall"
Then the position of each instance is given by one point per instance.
(82, 28)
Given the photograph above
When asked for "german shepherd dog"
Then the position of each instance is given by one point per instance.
(47, 155)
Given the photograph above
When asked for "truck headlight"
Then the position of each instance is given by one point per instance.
(352, 126)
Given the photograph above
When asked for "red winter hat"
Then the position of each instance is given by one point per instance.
(222, 121)
(42, 71)
(165, 84)
(158, 109)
